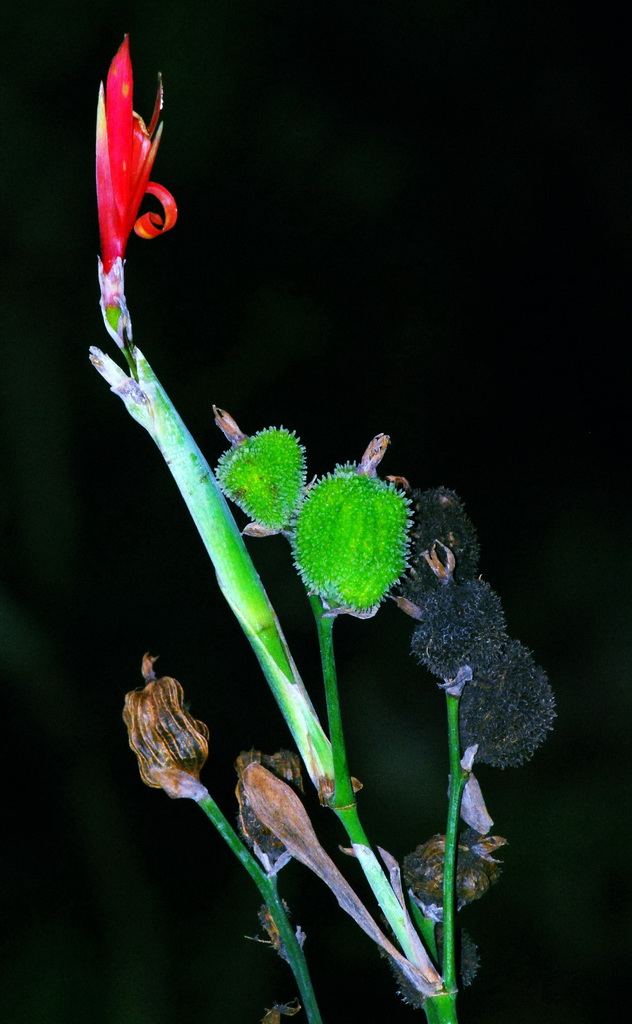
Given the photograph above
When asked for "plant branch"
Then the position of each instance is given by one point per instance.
(343, 794)
(267, 886)
(149, 405)
(343, 803)
(458, 778)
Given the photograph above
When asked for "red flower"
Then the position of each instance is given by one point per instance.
(126, 151)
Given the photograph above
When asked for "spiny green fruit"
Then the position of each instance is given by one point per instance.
(350, 538)
(265, 475)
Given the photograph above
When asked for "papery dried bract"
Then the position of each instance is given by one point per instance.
(268, 847)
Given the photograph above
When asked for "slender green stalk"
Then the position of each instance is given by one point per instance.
(343, 803)
(427, 929)
(458, 778)
(148, 404)
(267, 885)
(343, 794)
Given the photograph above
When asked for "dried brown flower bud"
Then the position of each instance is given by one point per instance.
(171, 745)
(476, 869)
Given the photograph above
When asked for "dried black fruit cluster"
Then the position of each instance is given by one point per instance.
(509, 710)
(467, 959)
(508, 706)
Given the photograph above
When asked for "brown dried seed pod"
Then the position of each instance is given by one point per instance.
(171, 745)
(476, 869)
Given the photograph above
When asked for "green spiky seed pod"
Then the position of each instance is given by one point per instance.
(265, 475)
(350, 538)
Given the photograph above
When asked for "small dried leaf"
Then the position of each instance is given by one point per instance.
(259, 530)
(273, 1016)
(373, 455)
(274, 936)
(228, 426)
(473, 809)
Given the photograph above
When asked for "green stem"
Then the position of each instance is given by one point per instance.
(441, 1009)
(343, 794)
(427, 929)
(149, 405)
(458, 778)
(267, 885)
(343, 803)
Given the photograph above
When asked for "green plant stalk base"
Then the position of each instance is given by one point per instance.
(441, 1009)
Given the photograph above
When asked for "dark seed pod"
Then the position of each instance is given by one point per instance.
(476, 868)
(422, 871)
(439, 515)
(469, 959)
(508, 710)
(405, 989)
(459, 625)
(507, 705)
(466, 951)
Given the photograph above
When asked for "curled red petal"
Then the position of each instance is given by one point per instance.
(150, 225)
(145, 151)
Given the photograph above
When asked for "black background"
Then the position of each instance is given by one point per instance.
(410, 217)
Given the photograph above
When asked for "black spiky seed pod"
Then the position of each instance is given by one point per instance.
(350, 538)
(469, 959)
(439, 515)
(459, 625)
(466, 953)
(508, 710)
